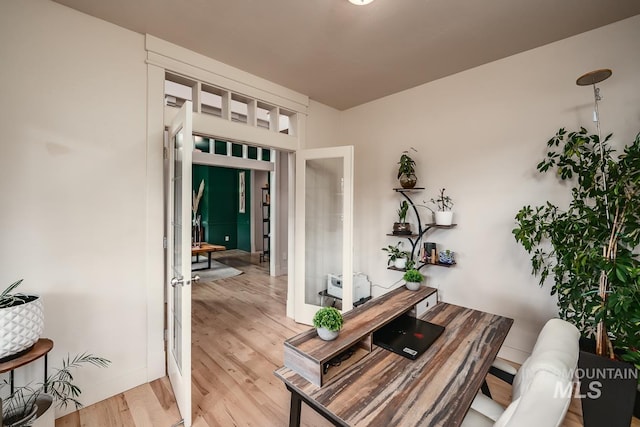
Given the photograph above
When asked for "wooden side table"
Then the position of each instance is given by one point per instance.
(41, 348)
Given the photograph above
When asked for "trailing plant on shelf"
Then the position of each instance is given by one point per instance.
(19, 406)
(395, 254)
(591, 247)
(407, 171)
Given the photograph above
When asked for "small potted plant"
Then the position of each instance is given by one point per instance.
(32, 404)
(443, 214)
(413, 278)
(396, 256)
(406, 171)
(402, 226)
(20, 316)
(328, 321)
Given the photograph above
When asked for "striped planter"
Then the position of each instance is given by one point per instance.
(20, 327)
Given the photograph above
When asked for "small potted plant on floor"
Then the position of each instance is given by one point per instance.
(406, 171)
(413, 279)
(30, 405)
(402, 227)
(328, 321)
(443, 214)
(396, 256)
(21, 322)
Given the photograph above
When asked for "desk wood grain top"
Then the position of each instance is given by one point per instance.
(385, 389)
(359, 322)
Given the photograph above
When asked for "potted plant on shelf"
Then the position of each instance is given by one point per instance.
(413, 278)
(21, 322)
(402, 227)
(396, 256)
(407, 171)
(443, 214)
(328, 321)
(590, 248)
(31, 405)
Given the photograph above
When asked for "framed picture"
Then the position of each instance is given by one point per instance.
(241, 192)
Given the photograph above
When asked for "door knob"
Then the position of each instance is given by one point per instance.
(175, 282)
(195, 279)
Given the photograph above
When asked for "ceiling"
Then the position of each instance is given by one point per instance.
(344, 55)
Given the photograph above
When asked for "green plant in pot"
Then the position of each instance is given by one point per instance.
(413, 278)
(402, 226)
(328, 321)
(22, 406)
(407, 171)
(443, 214)
(396, 256)
(20, 315)
(591, 247)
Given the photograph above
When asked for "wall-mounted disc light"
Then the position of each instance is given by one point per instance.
(360, 2)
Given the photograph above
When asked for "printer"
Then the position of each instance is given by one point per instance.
(361, 286)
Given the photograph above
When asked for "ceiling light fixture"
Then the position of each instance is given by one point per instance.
(360, 2)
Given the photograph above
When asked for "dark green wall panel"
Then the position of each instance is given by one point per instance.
(219, 206)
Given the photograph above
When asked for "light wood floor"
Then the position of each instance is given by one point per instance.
(239, 325)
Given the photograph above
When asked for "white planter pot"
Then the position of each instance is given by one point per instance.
(444, 218)
(412, 286)
(400, 263)
(20, 327)
(326, 334)
(46, 415)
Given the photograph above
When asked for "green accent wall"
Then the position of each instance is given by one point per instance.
(219, 207)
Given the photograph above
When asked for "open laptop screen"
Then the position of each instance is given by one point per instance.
(407, 336)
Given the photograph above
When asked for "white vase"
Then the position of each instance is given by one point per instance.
(400, 263)
(444, 218)
(46, 415)
(20, 327)
(412, 286)
(326, 334)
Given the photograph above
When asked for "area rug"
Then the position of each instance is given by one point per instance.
(217, 271)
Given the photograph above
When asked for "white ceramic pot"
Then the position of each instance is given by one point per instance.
(400, 263)
(20, 327)
(46, 414)
(412, 286)
(326, 334)
(444, 218)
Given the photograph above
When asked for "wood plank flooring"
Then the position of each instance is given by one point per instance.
(239, 325)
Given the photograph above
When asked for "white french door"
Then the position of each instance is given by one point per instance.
(323, 227)
(179, 244)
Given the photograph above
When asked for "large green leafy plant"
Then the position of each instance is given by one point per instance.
(591, 248)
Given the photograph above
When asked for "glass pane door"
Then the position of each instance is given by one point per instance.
(178, 288)
(323, 228)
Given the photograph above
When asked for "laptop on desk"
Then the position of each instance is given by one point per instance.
(407, 336)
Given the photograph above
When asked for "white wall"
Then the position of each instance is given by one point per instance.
(72, 180)
(480, 134)
(322, 127)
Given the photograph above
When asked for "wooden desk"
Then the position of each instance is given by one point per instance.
(385, 389)
(206, 248)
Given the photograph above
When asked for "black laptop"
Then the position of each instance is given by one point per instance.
(407, 336)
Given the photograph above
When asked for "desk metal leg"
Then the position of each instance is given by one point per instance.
(209, 261)
(296, 408)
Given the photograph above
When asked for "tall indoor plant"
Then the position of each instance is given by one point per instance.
(591, 248)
